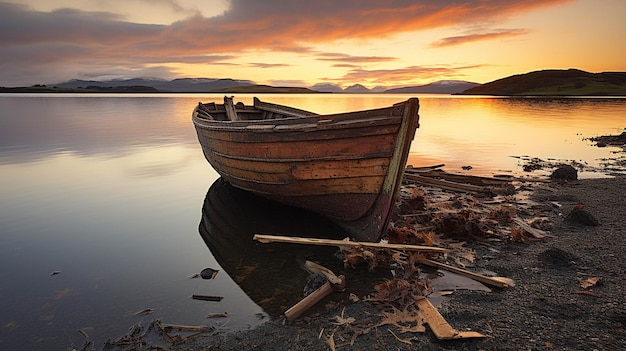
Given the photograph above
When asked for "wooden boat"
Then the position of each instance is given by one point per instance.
(347, 166)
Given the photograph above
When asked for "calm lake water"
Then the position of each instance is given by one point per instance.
(113, 192)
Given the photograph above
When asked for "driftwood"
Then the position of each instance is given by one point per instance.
(462, 178)
(439, 326)
(499, 282)
(321, 270)
(309, 301)
(448, 185)
(263, 238)
(333, 283)
(459, 182)
(191, 328)
(207, 298)
(537, 233)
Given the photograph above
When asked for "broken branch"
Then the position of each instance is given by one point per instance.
(318, 269)
(309, 301)
(536, 233)
(499, 282)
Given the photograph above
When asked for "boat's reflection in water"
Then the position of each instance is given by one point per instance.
(270, 274)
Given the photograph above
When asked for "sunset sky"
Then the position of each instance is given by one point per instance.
(306, 42)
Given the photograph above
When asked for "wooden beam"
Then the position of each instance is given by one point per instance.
(310, 300)
(444, 184)
(342, 243)
(439, 326)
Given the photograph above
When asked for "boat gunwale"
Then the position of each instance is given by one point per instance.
(377, 127)
(384, 113)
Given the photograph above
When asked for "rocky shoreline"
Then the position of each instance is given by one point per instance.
(569, 292)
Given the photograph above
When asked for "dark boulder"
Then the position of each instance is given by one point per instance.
(565, 172)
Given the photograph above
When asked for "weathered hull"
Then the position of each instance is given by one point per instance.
(347, 167)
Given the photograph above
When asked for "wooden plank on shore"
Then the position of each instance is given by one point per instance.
(264, 238)
(444, 184)
(500, 282)
(463, 178)
(439, 326)
(309, 301)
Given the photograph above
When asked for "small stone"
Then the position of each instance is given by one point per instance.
(581, 216)
(208, 273)
(557, 257)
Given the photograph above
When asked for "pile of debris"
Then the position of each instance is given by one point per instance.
(467, 208)
(437, 214)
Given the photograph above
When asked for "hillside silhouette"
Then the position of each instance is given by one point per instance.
(555, 82)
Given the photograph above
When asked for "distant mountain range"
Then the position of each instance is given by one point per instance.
(209, 85)
(440, 87)
(571, 82)
(181, 85)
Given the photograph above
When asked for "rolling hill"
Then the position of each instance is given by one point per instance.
(571, 82)
(181, 85)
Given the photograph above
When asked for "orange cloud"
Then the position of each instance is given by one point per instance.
(405, 74)
(267, 65)
(331, 56)
(462, 39)
(279, 24)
